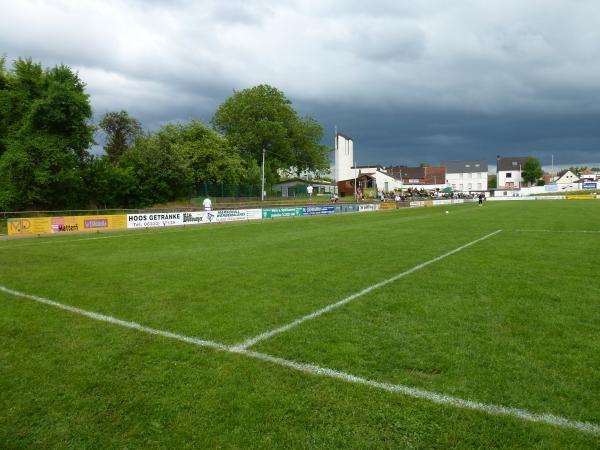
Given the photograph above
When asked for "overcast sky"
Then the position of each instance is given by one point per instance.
(410, 81)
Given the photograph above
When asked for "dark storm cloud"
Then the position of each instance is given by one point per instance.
(410, 81)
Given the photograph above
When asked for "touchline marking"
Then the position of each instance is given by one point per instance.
(434, 397)
(115, 321)
(557, 231)
(268, 334)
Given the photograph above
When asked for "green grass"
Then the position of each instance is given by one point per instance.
(513, 320)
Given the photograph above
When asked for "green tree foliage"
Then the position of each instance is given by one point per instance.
(209, 158)
(120, 131)
(44, 118)
(532, 171)
(492, 182)
(262, 118)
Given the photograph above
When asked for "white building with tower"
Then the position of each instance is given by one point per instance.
(345, 168)
(344, 158)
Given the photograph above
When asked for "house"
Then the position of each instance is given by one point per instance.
(376, 180)
(467, 175)
(568, 181)
(588, 175)
(413, 176)
(296, 187)
(509, 172)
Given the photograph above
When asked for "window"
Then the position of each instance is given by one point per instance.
(467, 165)
(476, 165)
(508, 175)
(470, 186)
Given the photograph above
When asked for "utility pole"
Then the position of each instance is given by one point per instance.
(262, 187)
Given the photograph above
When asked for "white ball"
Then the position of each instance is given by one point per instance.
(446, 212)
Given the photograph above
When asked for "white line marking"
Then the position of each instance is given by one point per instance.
(115, 321)
(434, 397)
(267, 334)
(557, 231)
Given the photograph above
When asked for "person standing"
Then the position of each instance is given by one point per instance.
(481, 197)
(207, 203)
(309, 190)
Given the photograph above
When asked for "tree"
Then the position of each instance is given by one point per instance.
(46, 134)
(262, 118)
(120, 130)
(532, 171)
(492, 181)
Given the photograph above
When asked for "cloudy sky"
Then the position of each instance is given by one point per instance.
(410, 81)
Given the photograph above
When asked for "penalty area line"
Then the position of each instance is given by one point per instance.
(268, 334)
(434, 397)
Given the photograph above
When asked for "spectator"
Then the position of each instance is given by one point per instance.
(309, 190)
(207, 203)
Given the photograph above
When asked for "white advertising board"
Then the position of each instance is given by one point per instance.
(370, 207)
(157, 220)
(233, 215)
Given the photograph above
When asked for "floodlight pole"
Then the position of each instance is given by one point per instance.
(262, 185)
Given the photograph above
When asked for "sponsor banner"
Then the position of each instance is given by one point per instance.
(442, 202)
(550, 197)
(417, 204)
(65, 224)
(371, 207)
(581, 197)
(318, 210)
(590, 185)
(551, 187)
(273, 213)
(456, 201)
(28, 226)
(155, 220)
(232, 215)
(428, 203)
(346, 208)
(387, 205)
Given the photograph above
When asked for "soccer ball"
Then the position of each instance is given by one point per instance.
(446, 212)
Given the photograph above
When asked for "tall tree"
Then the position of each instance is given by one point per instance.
(120, 130)
(532, 170)
(262, 118)
(45, 117)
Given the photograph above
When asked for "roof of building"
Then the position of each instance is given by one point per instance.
(345, 136)
(466, 166)
(511, 162)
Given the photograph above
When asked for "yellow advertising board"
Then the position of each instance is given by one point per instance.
(27, 226)
(581, 197)
(387, 205)
(65, 224)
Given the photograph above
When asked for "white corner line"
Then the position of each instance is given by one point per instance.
(434, 397)
(557, 231)
(268, 334)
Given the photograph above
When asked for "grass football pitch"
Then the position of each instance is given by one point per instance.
(395, 329)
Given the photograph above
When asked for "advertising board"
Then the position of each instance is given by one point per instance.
(369, 207)
(274, 213)
(65, 224)
(232, 215)
(581, 197)
(590, 185)
(388, 205)
(28, 226)
(346, 208)
(317, 210)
